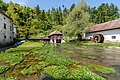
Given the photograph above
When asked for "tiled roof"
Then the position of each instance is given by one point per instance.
(114, 24)
(55, 32)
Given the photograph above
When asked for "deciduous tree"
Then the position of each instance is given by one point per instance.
(78, 20)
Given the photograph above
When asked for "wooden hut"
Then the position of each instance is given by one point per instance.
(56, 37)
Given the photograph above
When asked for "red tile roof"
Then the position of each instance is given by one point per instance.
(114, 24)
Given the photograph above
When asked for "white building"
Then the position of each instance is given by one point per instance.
(14, 32)
(109, 30)
(6, 29)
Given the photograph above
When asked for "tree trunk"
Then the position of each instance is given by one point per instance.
(79, 37)
(26, 36)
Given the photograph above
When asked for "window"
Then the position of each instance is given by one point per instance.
(113, 37)
(4, 26)
(4, 17)
(10, 28)
(4, 37)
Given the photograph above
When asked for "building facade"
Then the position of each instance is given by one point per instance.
(6, 29)
(110, 31)
(56, 37)
(14, 32)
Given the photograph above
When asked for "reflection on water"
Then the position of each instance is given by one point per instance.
(47, 77)
(109, 56)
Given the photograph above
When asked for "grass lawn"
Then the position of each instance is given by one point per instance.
(33, 60)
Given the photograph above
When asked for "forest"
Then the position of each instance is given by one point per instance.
(73, 21)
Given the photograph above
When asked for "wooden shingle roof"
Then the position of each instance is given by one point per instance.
(55, 33)
(114, 24)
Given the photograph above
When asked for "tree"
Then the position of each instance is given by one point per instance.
(3, 6)
(24, 18)
(72, 7)
(34, 21)
(37, 9)
(77, 21)
(104, 13)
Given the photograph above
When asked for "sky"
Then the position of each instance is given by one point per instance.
(48, 4)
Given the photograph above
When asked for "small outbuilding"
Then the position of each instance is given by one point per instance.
(56, 37)
(108, 32)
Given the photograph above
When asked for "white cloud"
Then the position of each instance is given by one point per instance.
(21, 2)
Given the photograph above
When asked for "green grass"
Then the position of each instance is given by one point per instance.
(31, 44)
